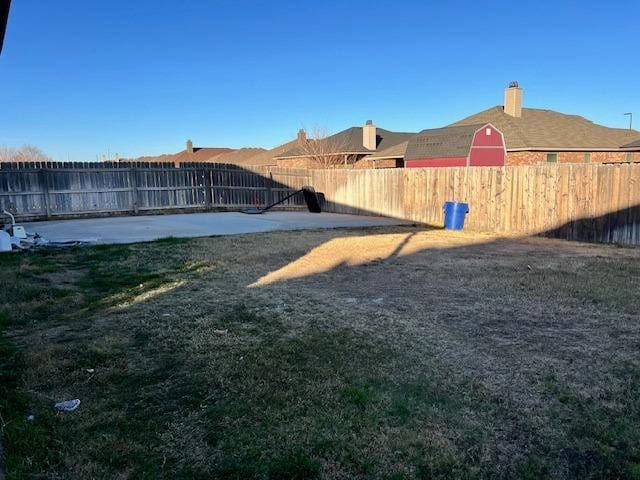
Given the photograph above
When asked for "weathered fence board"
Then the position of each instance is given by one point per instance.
(54, 189)
(582, 202)
(599, 203)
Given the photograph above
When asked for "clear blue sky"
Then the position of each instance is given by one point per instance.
(78, 78)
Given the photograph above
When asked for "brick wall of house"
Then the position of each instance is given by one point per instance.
(532, 158)
(364, 163)
(513, 158)
(309, 163)
(379, 163)
(297, 163)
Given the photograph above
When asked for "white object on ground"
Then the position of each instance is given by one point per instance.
(68, 405)
(5, 241)
(19, 232)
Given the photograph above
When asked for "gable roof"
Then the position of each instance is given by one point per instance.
(204, 154)
(550, 130)
(395, 151)
(452, 141)
(350, 141)
(267, 157)
(237, 157)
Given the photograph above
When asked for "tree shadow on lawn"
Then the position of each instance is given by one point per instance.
(294, 379)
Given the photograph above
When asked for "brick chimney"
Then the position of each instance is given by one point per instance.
(513, 100)
(302, 136)
(369, 140)
(189, 146)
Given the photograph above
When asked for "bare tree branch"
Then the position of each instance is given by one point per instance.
(324, 150)
(26, 153)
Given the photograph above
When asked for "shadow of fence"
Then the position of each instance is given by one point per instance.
(61, 189)
(619, 227)
(594, 203)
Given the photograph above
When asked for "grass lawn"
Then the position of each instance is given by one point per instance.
(390, 353)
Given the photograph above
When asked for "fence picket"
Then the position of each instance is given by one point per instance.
(55, 189)
(576, 202)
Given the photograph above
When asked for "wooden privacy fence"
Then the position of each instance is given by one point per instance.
(53, 189)
(579, 202)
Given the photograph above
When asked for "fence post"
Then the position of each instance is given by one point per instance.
(270, 198)
(44, 181)
(208, 188)
(133, 176)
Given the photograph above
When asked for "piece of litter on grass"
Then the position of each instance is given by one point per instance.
(68, 405)
(90, 370)
(30, 418)
(529, 267)
(166, 314)
(220, 332)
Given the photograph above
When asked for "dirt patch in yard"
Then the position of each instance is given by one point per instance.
(368, 353)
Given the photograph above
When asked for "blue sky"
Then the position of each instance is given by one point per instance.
(80, 78)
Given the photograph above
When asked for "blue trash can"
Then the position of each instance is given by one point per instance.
(454, 213)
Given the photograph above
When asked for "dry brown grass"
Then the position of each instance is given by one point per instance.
(380, 353)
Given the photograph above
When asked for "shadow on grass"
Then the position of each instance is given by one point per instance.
(235, 393)
(54, 287)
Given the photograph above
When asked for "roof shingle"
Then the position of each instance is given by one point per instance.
(452, 141)
(350, 141)
(205, 154)
(550, 130)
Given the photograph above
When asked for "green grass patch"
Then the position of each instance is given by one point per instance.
(313, 377)
(605, 437)
(294, 467)
(28, 444)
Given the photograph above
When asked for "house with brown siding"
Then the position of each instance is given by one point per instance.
(535, 136)
(189, 154)
(267, 158)
(530, 136)
(342, 149)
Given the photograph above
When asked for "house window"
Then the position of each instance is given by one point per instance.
(629, 157)
(587, 158)
(552, 158)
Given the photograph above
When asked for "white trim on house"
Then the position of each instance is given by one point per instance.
(504, 147)
(328, 154)
(573, 149)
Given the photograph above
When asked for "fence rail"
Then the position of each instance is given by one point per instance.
(598, 203)
(578, 202)
(55, 189)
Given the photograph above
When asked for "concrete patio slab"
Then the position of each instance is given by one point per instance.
(154, 227)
